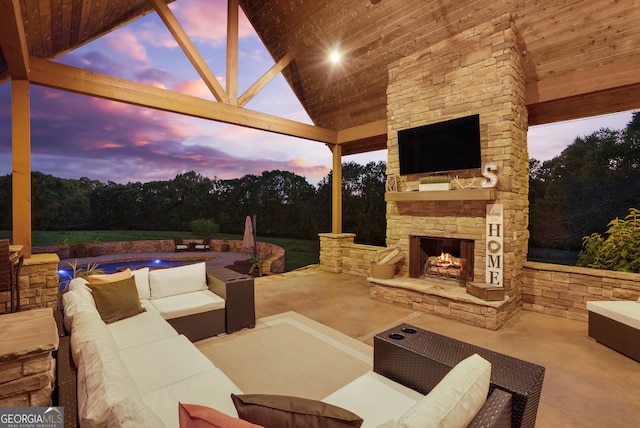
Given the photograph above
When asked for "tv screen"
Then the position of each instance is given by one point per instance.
(440, 147)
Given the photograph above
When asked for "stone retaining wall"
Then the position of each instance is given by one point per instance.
(38, 284)
(27, 367)
(564, 291)
(274, 265)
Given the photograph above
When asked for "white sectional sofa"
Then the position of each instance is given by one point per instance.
(134, 371)
(182, 295)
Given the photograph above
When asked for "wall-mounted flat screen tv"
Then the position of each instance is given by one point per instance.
(452, 145)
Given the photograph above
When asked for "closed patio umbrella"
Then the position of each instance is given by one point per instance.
(248, 240)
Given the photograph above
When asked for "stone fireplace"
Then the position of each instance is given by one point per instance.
(445, 259)
(475, 72)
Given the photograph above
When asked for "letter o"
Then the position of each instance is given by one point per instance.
(493, 246)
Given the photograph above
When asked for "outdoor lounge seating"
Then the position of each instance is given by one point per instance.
(180, 245)
(616, 324)
(205, 246)
(138, 369)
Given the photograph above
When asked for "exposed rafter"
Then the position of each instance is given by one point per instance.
(13, 40)
(265, 79)
(190, 50)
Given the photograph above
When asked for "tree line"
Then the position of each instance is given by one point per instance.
(285, 203)
(593, 181)
(573, 195)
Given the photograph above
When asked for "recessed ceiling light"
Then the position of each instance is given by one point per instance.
(335, 56)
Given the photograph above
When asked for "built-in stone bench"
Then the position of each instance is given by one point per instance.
(441, 298)
(27, 367)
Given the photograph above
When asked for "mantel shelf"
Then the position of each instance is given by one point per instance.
(443, 195)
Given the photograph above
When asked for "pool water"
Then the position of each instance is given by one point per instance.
(65, 272)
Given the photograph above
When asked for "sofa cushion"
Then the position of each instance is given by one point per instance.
(142, 282)
(164, 362)
(77, 298)
(131, 412)
(103, 381)
(116, 300)
(109, 277)
(211, 388)
(455, 400)
(139, 330)
(88, 327)
(187, 304)
(196, 416)
(281, 411)
(177, 280)
(375, 398)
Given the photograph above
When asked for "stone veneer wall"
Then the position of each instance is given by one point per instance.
(475, 72)
(38, 284)
(551, 289)
(564, 291)
(27, 367)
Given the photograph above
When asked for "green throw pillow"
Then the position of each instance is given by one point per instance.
(116, 300)
(280, 411)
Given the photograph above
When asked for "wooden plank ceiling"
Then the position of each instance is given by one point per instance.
(580, 57)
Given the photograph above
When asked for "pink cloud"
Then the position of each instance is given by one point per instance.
(196, 88)
(127, 43)
(108, 145)
(156, 35)
(206, 20)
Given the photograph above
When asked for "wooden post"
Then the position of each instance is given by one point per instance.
(336, 189)
(21, 159)
(232, 52)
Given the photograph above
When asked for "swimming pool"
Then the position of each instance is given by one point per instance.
(65, 272)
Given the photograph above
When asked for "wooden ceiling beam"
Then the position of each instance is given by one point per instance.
(585, 105)
(190, 50)
(265, 79)
(603, 78)
(361, 132)
(67, 78)
(13, 40)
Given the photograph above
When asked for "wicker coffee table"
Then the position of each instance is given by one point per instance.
(419, 359)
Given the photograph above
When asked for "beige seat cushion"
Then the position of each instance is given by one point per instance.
(164, 362)
(187, 304)
(141, 329)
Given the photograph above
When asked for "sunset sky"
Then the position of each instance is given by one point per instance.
(76, 136)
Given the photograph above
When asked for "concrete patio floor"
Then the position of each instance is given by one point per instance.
(586, 384)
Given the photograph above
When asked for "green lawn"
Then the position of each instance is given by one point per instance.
(299, 252)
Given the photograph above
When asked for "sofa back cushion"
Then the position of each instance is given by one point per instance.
(177, 280)
(103, 381)
(142, 283)
(455, 400)
(77, 298)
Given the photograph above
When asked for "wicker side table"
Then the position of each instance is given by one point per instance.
(419, 359)
(238, 292)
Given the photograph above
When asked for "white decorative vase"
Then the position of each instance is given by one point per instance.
(434, 186)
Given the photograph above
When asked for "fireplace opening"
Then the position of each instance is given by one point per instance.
(448, 259)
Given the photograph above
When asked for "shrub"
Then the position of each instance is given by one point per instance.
(205, 227)
(620, 250)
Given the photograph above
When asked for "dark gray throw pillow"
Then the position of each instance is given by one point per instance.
(281, 411)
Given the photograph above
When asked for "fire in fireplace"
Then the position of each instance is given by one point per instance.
(441, 258)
